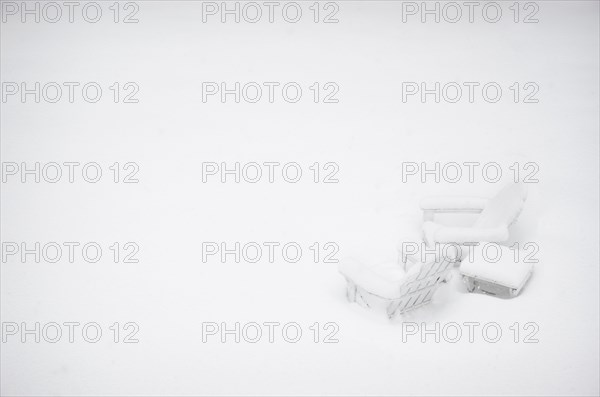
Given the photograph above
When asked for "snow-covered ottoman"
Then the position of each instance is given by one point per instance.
(504, 278)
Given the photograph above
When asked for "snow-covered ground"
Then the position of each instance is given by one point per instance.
(370, 133)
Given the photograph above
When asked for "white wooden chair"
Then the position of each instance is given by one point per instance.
(389, 284)
(495, 216)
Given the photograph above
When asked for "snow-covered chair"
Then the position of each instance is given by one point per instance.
(495, 216)
(389, 285)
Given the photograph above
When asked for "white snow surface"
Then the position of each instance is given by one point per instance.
(370, 133)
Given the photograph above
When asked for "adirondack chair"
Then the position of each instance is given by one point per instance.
(495, 216)
(389, 284)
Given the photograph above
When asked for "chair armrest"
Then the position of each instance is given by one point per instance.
(453, 203)
(435, 233)
(437, 204)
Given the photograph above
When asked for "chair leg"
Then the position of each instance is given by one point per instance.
(470, 284)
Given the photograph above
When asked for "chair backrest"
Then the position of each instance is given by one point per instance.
(504, 208)
(419, 286)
